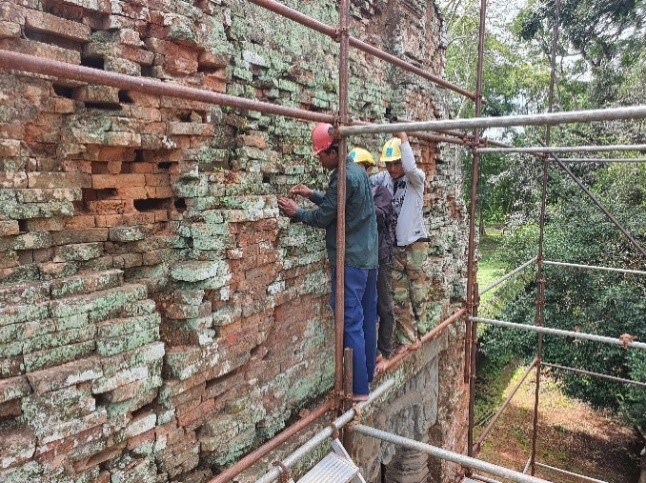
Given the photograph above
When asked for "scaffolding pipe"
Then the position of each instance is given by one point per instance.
(609, 114)
(569, 473)
(330, 31)
(484, 478)
(603, 160)
(564, 333)
(318, 438)
(339, 306)
(565, 149)
(451, 456)
(38, 65)
(595, 374)
(485, 432)
(609, 215)
(429, 336)
(471, 335)
(539, 318)
(244, 463)
(593, 267)
(495, 283)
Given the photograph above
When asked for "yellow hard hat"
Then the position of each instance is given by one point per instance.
(362, 156)
(391, 151)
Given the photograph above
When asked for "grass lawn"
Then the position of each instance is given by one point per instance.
(490, 268)
(571, 435)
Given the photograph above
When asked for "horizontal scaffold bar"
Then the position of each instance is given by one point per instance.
(626, 342)
(593, 267)
(610, 114)
(333, 32)
(495, 283)
(570, 473)
(603, 160)
(565, 149)
(444, 454)
(39, 65)
(594, 374)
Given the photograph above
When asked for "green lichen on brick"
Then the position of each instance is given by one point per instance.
(196, 271)
(127, 233)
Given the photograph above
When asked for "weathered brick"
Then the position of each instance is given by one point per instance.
(15, 387)
(44, 22)
(65, 375)
(58, 355)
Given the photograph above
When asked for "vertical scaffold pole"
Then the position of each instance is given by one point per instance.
(339, 313)
(540, 279)
(471, 335)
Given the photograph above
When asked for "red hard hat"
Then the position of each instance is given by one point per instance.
(322, 137)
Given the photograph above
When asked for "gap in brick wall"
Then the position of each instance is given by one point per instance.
(191, 116)
(212, 384)
(139, 156)
(266, 179)
(207, 69)
(94, 62)
(10, 411)
(147, 71)
(90, 194)
(125, 98)
(180, 205)
(63, 91)
(22, 226)
(102, 106)
(127, 168)
(164, 166)
(152, 204)
(50, 38)
(145, 410)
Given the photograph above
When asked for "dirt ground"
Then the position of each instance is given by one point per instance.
(571, 436)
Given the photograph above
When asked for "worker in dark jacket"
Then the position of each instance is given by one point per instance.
(361, 259)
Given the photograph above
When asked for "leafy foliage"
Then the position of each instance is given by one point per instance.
(593, 301)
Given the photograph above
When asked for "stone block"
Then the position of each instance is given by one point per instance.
(65, 375)
(78, 252)
(99, 304)
(195, 271)
(80, 235)
(83, 284)
(45, 341)
(16, 314)
(127, 233)
(15, 387)
(58, 355)
(17, 446)
(112, 346)
(9, 30)
(44, 22)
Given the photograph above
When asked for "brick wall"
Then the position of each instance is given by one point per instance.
(158, 318)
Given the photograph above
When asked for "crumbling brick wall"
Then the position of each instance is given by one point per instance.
(158, 318)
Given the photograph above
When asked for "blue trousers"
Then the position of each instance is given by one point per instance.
(360, 324)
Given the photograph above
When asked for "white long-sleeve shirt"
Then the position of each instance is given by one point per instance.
(408, 198)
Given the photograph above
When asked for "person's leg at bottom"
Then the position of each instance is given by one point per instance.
(353, 337)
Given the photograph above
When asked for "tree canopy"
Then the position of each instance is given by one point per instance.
(601, 62)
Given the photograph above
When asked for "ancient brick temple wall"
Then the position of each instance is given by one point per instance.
(158, 318)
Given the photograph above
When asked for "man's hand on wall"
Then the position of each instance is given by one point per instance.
(287, 206)
(301, 190)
